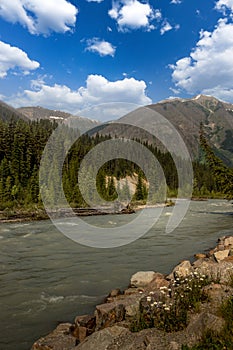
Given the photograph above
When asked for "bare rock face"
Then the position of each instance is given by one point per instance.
(59, 339)
(142, 278)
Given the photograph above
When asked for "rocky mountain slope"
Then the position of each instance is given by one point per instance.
(186, 116)
(34, 113)
(7, 112)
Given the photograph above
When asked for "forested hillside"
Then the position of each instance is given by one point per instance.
(21, 146)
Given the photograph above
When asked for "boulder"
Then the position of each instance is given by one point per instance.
(83, 327)
(182, 270)
(200, 324)
(218, 272)
(87, 321)
(130, 291)
(142, 278)
(102, 339)
(59, 339)
(221, 255)
(199, 256)
(228, 241)
(108, 314)
(111, 313)
(158, 282)
(216, 294)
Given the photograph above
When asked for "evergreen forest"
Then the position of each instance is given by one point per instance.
(22, 144)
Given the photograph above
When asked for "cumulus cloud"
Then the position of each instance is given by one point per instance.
(132, 14)
(12, 57)
(223, 5)
(97, 90)
(209, 67)
(102, 47)
(40, 16)
(166, 27)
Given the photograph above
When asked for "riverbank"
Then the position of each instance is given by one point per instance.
(158, 311)
(15, 215)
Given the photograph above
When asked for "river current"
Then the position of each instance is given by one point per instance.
(46, 278)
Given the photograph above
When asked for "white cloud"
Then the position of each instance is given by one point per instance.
(95, 1)
(223, 5)
(12, 57)
(166, 27)
(132, 14)
(209, 67)
(98, 90)
(40, 16)
(102, 47)
(176, 2)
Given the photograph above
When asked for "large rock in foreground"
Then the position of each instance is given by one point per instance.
(60, 339)
(142, 278)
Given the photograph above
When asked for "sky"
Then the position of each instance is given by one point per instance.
(77, 54)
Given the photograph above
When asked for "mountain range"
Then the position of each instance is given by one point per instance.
(185, 114)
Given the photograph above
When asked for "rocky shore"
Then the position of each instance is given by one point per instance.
(21, 215)
(158, 311)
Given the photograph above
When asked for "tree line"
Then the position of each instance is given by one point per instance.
(22, 144)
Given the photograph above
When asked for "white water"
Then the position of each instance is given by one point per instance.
(45, 278)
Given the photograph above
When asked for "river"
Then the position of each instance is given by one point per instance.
(46, 278)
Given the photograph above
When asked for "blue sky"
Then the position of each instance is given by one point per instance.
(71, 55)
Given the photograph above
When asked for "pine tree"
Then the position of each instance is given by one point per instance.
(223, 175)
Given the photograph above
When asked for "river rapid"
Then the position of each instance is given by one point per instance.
(46, 278)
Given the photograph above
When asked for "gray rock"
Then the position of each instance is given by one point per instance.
(102, 339)
(142, 278)
(59, 339)
(111, 313)
(201, 323)
(218, 272)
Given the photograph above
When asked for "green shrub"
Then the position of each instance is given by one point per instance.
(168, 309)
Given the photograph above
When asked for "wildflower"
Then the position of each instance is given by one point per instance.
(167, 308)
(148, 298)
(164, 287)
(195, 273)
